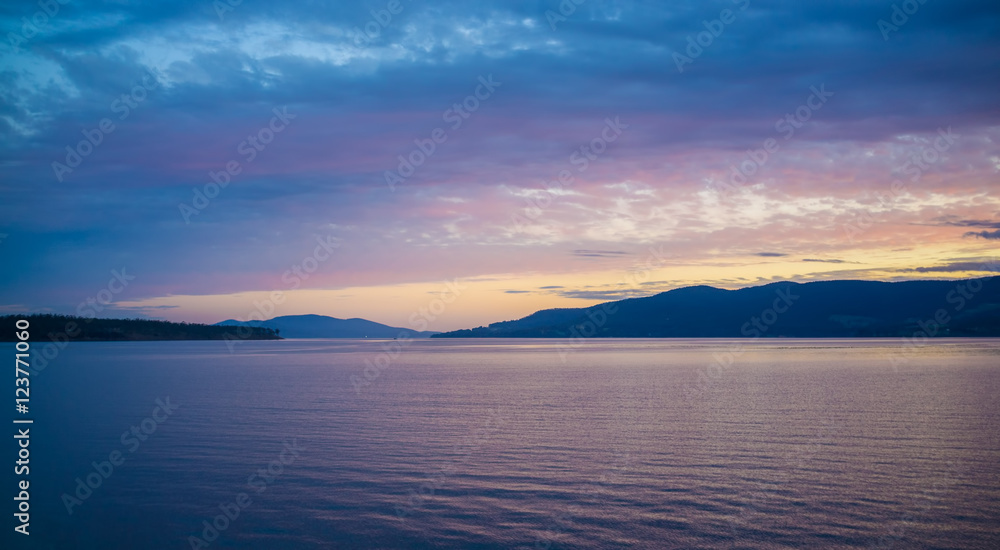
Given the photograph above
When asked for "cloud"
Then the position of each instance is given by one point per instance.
(824, 261)
(599, 253)
(549, 287)
(604, 295)
(983, 234)
(955, 221)
(770, 254)
(954, 267)
(517, 291)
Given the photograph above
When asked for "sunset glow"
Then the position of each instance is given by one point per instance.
(463, 151)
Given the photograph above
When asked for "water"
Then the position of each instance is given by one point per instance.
(502, 444)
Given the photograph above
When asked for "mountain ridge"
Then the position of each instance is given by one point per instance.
(312, 325)
(847, 308)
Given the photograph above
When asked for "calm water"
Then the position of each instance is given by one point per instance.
(502, 444)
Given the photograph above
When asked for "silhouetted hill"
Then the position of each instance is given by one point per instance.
(85, 328)
(321, 326)
(820, 309)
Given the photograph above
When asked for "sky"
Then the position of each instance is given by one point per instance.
(447, 164)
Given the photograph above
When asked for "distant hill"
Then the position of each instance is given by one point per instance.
(86, 328)
(321, 326)
(819, 309)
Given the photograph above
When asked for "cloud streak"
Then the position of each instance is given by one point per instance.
(991, 235)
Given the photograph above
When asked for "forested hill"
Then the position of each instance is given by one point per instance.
(841, 309)
(88, 329)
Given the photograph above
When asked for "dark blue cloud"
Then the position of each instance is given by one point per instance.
(994, 235)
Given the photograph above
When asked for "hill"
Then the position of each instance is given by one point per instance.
(321, 326)
(818, 309)
(86, 328)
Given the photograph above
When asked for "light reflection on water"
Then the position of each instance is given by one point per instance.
(486, 443)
